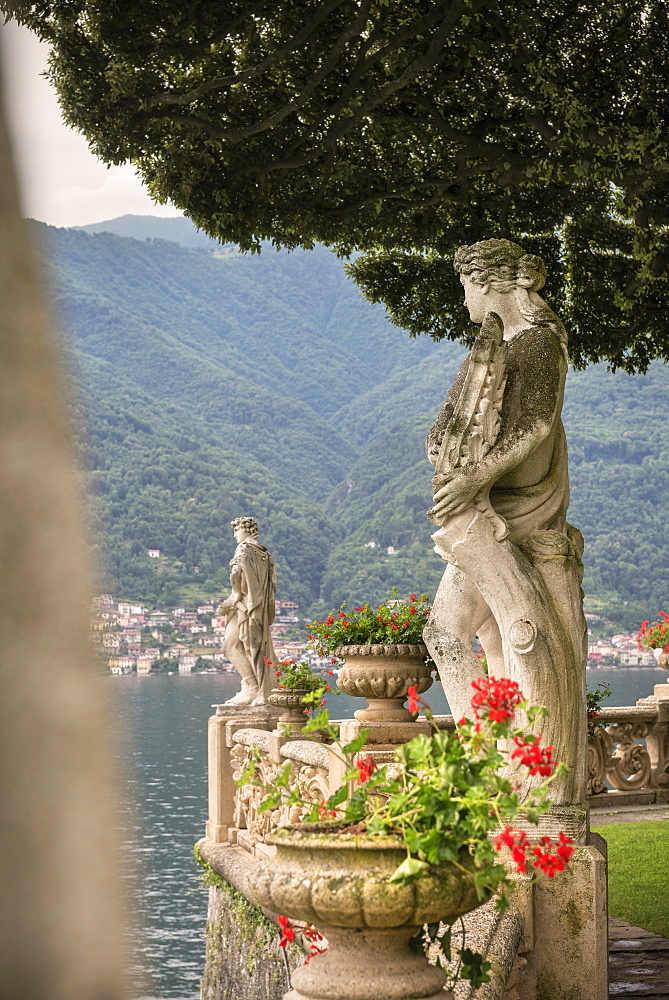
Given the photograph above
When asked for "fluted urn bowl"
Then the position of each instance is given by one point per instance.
(290, 701)
(344, 880)
(341, 884)
(383, 674)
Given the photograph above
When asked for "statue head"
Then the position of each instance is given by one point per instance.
(244, 527)
(504, 268)
(502, 264)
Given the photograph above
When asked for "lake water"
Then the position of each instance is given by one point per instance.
(162, 727)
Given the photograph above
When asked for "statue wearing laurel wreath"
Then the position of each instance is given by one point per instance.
(500, 498)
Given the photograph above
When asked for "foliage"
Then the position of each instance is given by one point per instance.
(443, 798)
(594, 701)
(391, 622)
(655, 636)
(401, 129)
(291, 676)
(445, 793)
(637, 889)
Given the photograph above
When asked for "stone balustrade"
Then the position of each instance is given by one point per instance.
(628, 759)
(628, 763)
(234, 814)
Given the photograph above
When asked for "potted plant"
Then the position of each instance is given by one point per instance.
(412, 843)
(294, 690)
(655, 636)
(383, 652)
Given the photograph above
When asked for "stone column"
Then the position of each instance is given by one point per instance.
(221, 728)
(61, 919)
(221, 785)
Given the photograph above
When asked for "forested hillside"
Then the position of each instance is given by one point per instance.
(213, 384)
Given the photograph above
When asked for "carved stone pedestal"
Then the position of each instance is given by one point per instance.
(367, 965)
(568, 959)
(383, 734)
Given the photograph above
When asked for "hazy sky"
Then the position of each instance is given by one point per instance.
(62, 182)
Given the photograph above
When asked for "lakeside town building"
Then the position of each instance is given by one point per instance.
(132, 637)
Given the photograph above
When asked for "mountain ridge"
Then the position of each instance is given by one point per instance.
(275, 364)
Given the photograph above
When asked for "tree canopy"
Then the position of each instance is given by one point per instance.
(399, 129)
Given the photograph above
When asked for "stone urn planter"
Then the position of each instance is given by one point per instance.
(383, 675)
(661, 658)
(341, 884)
(290, 701)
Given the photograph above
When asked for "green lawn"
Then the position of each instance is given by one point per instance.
(639, 873)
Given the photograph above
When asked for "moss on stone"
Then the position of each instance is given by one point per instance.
(573, 918)
(549, 988)
(243, 959)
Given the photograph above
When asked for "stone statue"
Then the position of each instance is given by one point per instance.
(249, 612)
(501, 496)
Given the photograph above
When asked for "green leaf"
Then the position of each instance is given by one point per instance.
(408, 870)
(282, 779)
(474, 968)
(338, 797)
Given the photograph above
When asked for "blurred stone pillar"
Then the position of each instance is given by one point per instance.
(59, 887)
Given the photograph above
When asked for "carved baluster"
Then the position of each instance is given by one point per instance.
(657, 740)
(600, 748)
(630, 767)
(657, 743)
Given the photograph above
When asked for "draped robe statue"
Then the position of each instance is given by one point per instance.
(249, 613)
(501, 496)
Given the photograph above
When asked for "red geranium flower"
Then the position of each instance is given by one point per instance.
(288, 934)
(495, 700)
(366, 768)
(537, 758)
(517, 842)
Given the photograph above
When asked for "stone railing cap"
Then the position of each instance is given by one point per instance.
(252, 738)
(307, 752)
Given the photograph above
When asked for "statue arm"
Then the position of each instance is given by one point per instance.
(236, 577)
(531, 408)
(235, 598)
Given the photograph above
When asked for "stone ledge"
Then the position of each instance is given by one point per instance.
(614, 799)
(232, 863)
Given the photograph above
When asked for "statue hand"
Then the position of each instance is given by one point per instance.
(225, 606)
(452, 498)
